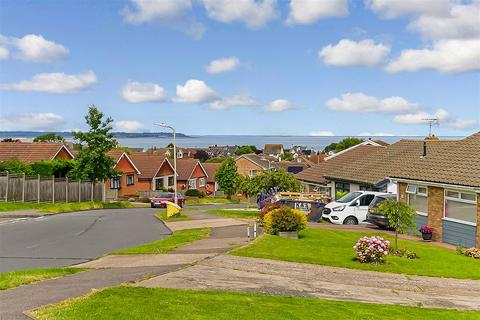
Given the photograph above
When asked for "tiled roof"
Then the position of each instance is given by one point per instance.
(185, 168)
(147, 163)
(115, 154)
(318, 172)
(211, 169)
(259, 160)
(381, 142)
(273, 148)
(29, 151)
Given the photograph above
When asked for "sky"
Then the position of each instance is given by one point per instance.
(210, 67)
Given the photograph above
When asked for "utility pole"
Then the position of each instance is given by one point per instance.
(163, 125)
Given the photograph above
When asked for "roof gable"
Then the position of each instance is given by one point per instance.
(31, 151)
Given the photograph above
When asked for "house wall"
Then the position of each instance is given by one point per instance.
(144, 184)
(63, 155)
(402, 195)
(244, 166)
(126, 168)
(182, 185)
(436, 203)
(478, 220)
(458, 233)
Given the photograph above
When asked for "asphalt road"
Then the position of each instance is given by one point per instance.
(72, 238)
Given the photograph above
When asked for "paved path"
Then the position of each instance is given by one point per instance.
(233, 273)
(72, 238)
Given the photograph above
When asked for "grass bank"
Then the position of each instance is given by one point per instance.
(61, 207)
(17, 278)
(178, 239)
(335, 248)
(162, 215)
(146, 303)
(210, 200)
(248, 214)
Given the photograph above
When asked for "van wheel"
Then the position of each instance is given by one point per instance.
(350, 220)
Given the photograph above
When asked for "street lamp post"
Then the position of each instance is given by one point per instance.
(163, 125)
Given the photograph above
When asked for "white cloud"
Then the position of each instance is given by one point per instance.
(233, 101)
(324, 133)
(54, 83)
(280, 105)
(253, 13)
(4, 53)
(136, 92)
(375, 134)
(462, 21)
(310, 11)
(34, 48)
(444, 118)
(394, 8)
(348, 53)
(223, 65)
(445, 56)
(128, 126)
(360, 102)
(31, 121)
(173, 13)
(194, 91)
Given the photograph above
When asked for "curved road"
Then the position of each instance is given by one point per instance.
(76, 237)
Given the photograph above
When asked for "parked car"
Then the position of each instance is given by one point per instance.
(159, 202)
(351, 208)
(373, 215)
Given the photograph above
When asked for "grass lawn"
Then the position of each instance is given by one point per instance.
(17, 278)
(210, 200)
(146, 303)
(335, 248)
(235, 213)
(61, 207)
(162, 215)
(178, 239)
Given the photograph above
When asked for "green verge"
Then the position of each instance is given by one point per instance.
(177, 239)
(62, 207)
(162, 215)
(335, 248)
(210, 200)
(17, 278)
(247, 214)
(146, 303)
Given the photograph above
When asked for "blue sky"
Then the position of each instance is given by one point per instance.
(284, 67)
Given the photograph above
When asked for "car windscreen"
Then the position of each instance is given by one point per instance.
(349, 197)
(165, 195)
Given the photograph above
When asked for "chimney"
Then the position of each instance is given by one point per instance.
(424, 149)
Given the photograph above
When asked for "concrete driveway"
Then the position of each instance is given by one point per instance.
(76, 237)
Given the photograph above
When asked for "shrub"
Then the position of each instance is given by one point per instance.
(194, 193)
(405, 253)
(371, 249)
(145, 200)
(284, 219)
(470, 252)
(266, 209)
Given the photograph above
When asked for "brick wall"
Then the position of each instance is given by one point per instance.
(401, 191)
(244, 166)
(478, 220)
(435, 210)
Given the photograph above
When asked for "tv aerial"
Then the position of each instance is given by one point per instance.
(431, 122)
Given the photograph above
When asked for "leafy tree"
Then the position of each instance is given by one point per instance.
(400, 216)
(227, 177)
(15, 166)
(287, 156)
(170, 145)
(49, 137)
(92, 161)
(10, 140)
(215, 160)
(56, 167)
(342, 145)
(279, 180)
(245, 150)
(201, 155)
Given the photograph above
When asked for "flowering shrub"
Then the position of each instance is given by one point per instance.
(371, 249)
(426, 229)
(284, 219)
(266, 209)
(470, 252)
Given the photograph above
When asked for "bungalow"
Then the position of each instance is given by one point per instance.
(191, 175)
(250, 165)
(156, 171)
(34, 151)
(211, 169)
(127, 182)
(314, 179)
(443, 184)
(273, 150)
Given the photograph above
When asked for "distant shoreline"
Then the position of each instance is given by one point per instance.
(66, 134)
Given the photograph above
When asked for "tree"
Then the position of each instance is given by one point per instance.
(201, 155)
(170, 145)
(15, 166)
(342, 145)
(92, 161)
(49, 137)
(245, 150)
(287, 156)
(215, 160)
(55, 167)
(278, 180)
(400, 216)
(227, 177)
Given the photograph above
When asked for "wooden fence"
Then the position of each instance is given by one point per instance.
(25, 188)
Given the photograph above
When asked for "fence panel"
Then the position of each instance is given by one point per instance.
(73, 191)
(86, 191)
(15, 187)
(60, 190)
(31, 189)
(3, 185)
(46, 190)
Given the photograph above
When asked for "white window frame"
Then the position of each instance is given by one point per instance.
(458, 199)
(252, 172)
(116, 182)
(192, 184)
(416, 192)
(130, 175)
(201, 182)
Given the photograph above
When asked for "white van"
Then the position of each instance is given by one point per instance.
(351, 208)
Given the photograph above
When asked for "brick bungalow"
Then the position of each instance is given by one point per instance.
(34, 151)
(127, 183)
(211, 169)
(250, 165)
(156, 171)
(191, 175)
(443, 184)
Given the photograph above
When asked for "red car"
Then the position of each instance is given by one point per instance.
(159, 202)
